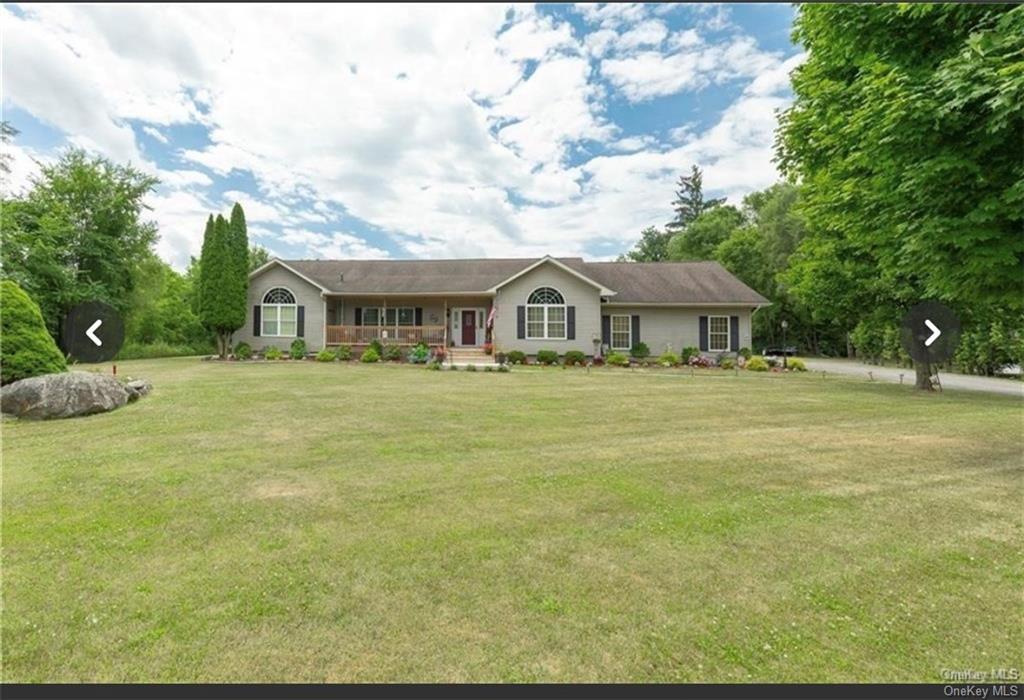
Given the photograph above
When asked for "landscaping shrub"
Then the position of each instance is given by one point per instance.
(298, 350)
(574, 357)
(419, 354)
(796, 364)
(439, 354)
(598, 361)
(392, 352)
(243, 351)
(503, 368)
(745, 353)
(701, 361)
(326, 355)
(727, 363)
(488, 368)
(517, 357)
(757, 364)
(272, 353)
(434, 365)
(471, 368)
(139, 351)
(377, 347)
(28, 349)
(687, 353)
(344, 353)
(640, 351)
(500, 357)
(370, 355)
(547, 357)
(668, 359)
(617, 359)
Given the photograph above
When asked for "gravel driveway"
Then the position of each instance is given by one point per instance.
(969, 382)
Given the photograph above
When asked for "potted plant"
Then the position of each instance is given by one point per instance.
(488, 348)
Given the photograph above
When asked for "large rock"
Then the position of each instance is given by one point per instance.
(137, 388)
(63, 395)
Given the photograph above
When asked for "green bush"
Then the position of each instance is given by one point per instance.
(547, 357)
(139, 351)
(344, 353)
(272, 353)
(687, 353)
(640, 351)
(796, 364)
(370, 355)
(392, 352)
(745, 353)
(669, 359)
(471, 368)
(419, 354)
(433, 365)
(617, 359)
(517, 357)
(377, 347)
(243, 351)
(326, 355)
(757, 364)
(574, 357)
(298, 350)
(503, 368)
(28, 349)
(727, 363)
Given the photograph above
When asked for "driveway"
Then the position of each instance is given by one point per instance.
(968, 382)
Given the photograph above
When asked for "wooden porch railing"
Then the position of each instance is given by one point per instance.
(400, 335)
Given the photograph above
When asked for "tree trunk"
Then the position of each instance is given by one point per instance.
(849, 347)
(923, 376)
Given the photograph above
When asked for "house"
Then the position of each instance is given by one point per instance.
(517, 304)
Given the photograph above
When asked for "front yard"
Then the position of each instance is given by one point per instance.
(319, 522)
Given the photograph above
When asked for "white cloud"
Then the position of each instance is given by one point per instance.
(181, 179)
(155, 133)
(24, 165)
(335, 245)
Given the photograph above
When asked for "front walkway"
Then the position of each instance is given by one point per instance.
(969, 382)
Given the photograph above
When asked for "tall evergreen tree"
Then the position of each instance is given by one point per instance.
(689, 202)
(238, 245)
(218, 284)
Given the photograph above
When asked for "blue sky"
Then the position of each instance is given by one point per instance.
(404, 132)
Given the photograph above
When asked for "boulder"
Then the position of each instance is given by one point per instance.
(137, 388)
(62, 395)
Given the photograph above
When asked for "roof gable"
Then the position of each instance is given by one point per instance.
(554, 261)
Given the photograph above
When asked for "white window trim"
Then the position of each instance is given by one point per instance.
(728, 334)
(611, 328)
(277, 312)
(547, 308)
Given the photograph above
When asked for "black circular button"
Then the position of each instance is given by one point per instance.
(92, 332)
(930, 332)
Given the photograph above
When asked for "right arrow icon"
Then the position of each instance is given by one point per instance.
(935, 333)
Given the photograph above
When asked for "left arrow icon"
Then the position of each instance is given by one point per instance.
(91, 333)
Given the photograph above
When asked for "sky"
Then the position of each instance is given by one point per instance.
(405, 131)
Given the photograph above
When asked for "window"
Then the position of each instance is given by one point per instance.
(545, 315)
(391, 316)
(622, 333)
(718, 333)
(277, 314)
(371, 316)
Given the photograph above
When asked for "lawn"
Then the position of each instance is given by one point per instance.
(319, 522)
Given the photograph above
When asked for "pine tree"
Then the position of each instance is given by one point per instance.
(27, 349)
(218, 305)
(689, 202)
(238, 244)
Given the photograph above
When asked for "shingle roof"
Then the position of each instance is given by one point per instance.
(676, 282)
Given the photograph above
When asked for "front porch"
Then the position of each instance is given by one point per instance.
(458, 321)
(399, 335)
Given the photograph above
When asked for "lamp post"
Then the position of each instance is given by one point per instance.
(785, 353)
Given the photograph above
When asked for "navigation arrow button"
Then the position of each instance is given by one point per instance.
(935, 333)
(91, 333)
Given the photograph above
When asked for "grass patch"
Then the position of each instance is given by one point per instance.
(343, 522)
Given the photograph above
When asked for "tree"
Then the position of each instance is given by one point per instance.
(702, 235)
(689, 202)
(218, 269)
(258, 257)
(652, 247)
(238, 245)
(7, 133)
(28, 349)
(905, 134)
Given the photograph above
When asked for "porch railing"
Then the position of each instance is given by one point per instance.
(401, 335)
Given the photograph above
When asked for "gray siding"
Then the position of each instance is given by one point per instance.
(679, 327)
(306, 295)
(585, 297)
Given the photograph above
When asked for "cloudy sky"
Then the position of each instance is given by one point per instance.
(406, 131)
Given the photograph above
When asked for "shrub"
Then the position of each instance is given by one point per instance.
(517, 357)
(796, 364)
(503, 368)
(298, 350)
(433, 365)
(547, 357)
(377, 347)
(243, 351)
(344, 353)
(687, 353)
(272, 353)
(598, 361)
(419, 354)
(488, 368)
(701, 361)
(139, 351)
(326, 355)
(745, 353)
(574, 357)
(727, 363)
(757, 364)
(471, 368)
(439, 353)
(668, 359)
(370, 355)
(28, 348)
(772, 361)
(640, 351)
(391, 353)
(500, 357)
(617, 359)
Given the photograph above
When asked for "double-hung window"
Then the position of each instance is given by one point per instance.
(622, 333)
(277, 313)
(545, 315)
(718, 333)
(391, 316)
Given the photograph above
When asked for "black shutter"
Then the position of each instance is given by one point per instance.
(704, 333)
(359, 316)
(300, 325)
(520, 322)
(635, 326)
(419, 316)
(734, 333)
(256, 321)
(606, 330)
(570, 322)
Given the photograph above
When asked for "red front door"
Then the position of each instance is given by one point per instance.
(468, 327)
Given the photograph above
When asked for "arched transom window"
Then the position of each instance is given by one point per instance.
(278, 313)
(545, 314)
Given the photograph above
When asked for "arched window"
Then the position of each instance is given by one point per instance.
(545, 314)
(277, 313)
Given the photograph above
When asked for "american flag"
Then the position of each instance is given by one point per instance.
(490, 317)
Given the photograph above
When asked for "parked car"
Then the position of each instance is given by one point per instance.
(788, 351)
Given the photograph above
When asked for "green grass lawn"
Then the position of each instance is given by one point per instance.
(319, 522)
